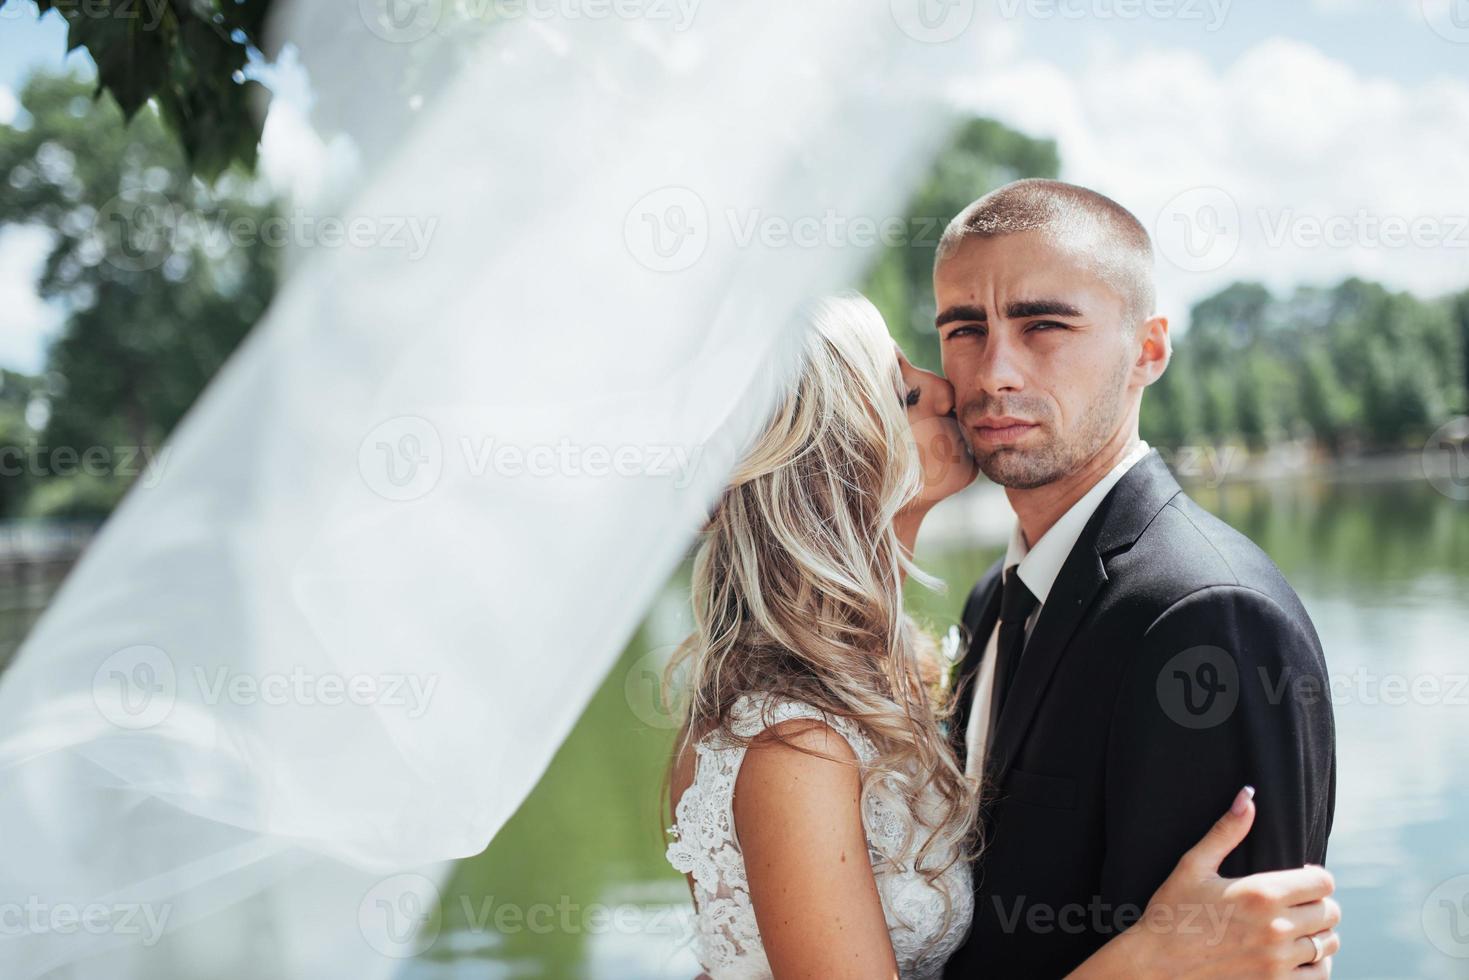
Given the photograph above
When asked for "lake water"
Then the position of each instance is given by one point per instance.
(576, 885)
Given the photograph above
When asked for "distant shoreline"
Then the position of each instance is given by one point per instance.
(981, 516)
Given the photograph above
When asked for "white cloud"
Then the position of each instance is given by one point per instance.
(1323, 166)
(26, 321)
(294, 157)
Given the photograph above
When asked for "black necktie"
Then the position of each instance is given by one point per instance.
(1016, 605)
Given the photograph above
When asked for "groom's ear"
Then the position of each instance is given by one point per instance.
(1154, 352)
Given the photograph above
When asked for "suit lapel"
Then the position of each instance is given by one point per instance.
(1120, 519)
(1080, 579)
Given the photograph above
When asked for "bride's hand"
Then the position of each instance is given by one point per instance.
(947, 465)
(1257, 926)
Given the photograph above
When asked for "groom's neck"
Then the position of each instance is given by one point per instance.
(1039, 508)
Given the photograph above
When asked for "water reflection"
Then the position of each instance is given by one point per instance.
(1382, 568)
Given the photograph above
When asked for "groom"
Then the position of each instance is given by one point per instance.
(1133, 661)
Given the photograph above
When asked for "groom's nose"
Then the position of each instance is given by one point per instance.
(998, 367)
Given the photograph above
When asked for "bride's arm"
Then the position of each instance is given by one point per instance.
(798, 819)
(1200, 925)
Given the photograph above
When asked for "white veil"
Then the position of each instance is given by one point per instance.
(396, 545)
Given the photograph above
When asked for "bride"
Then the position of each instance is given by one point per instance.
(820, 815)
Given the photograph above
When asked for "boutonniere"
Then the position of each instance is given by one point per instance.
(952, 650)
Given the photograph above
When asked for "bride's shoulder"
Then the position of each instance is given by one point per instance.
(760, 718)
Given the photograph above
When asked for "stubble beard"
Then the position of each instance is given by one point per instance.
(1057, 455)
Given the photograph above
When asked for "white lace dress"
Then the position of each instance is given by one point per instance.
(727, 939)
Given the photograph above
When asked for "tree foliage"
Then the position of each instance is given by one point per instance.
(147, 262)
(186, 57)
(1355, 366)
(982, 155)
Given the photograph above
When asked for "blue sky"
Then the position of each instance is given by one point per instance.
(1306, 129)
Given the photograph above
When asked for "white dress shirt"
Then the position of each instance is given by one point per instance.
(1039, 567)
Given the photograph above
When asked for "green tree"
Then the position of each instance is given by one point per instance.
(982, 155)
(1169, 416)
(146, 262)
(1459, 313)
(187, 58)
(1356, 365)
(16, 439)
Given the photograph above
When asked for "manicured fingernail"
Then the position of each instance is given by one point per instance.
(1242, 801)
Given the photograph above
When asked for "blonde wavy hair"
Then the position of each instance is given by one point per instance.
(797, 583)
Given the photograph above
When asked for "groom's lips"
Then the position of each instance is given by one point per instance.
(1001, 430)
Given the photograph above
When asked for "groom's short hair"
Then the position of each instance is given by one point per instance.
(1109, 234)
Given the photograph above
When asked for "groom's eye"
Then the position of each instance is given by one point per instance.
(964, 331)
(1048, 325)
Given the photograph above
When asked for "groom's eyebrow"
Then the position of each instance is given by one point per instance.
(1040, 307)
(973, 314)
(1020, 310)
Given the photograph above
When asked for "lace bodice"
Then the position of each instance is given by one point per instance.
(727, 939)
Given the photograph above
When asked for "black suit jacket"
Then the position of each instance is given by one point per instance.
(1170, 665)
